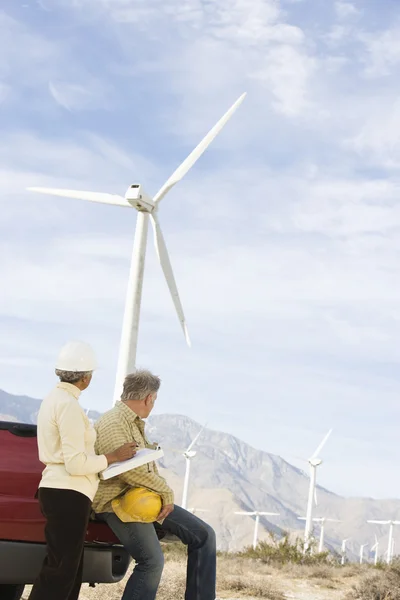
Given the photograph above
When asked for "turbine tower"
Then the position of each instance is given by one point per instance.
(344, 542)
(147, 208)
(314, 463)
(321, 521)
(376, 548)
(257, 515)
(362, 553)
(389, 554)
(189, 454)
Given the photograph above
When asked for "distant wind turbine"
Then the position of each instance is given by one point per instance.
(321, 521)
(389, 555)
(257, 515)
(344, 542)
(375, 548)
(314, 461)
(147, 207)
(362, 553)
(188, 455)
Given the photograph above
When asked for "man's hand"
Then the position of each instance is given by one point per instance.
(165, 511)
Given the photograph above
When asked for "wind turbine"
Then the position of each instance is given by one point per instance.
(257, 515)
(344, 542)
(376, 548)
(189, 454)
(390, 542)
(135, 197)
(321, 521)
(314, 461)
(362, 553)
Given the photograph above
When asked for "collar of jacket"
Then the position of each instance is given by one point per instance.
(70, 388)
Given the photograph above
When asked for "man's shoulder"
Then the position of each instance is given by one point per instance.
(108, 418)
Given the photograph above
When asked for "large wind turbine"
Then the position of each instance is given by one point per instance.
(390, 542)
(314, 463)
(321, 521)
(147, 207)
(257, 515)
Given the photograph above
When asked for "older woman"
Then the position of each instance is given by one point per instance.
(70, 479)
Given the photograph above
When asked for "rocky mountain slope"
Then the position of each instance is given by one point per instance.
(229, 475)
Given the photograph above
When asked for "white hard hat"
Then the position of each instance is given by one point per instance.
(76, 356)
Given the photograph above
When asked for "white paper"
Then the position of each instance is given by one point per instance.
(142, 457)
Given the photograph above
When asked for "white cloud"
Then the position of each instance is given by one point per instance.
(378, 138)
(382, 52)
(90, 95)
(254, 40)
(286, 73)
(344, 10)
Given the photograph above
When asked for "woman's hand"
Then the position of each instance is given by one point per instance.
(122, 453)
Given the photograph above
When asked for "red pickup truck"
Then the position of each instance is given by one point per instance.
(22, 545)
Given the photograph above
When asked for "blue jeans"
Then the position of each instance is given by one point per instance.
(142, 543)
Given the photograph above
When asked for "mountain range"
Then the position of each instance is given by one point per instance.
(228, 475)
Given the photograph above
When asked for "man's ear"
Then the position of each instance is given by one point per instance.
(147, 400)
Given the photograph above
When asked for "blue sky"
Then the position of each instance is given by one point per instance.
(284, 238)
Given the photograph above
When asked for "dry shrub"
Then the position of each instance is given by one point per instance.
(285, 551)
(176, 552)
(352, 570)
(381, 585)
(248, 586)
(173, 583)
(320, 572)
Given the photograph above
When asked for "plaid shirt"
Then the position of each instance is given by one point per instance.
(115, 428)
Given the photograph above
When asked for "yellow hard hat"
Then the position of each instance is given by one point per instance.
(138, 505)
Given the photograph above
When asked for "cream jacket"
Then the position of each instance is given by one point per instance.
(66, 443)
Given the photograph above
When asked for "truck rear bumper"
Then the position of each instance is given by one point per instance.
(20, 562)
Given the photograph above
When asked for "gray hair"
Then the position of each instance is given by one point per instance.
(72, 376)
(138, 385)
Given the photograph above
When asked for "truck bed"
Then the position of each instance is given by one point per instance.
(20, 472)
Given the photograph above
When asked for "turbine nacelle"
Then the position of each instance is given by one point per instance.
(138, 198)
(315, 462)
(190, 453)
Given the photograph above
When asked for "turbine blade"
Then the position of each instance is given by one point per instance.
(196, 438)
(322, 444)
(91, 196)
(165, 263)
(197, 152)
(245, 513)
(269, 514)
(379, 522)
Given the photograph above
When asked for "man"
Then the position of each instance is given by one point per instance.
(122, 424)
